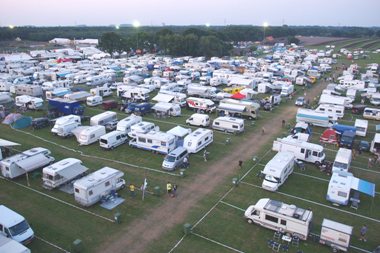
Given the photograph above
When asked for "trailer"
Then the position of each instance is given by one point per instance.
(228, 124)
(77, 96)
(89, 134)
(136, 94)
(155, 141)
(91, 188)
(169, 109)
(280, 216)
(62, 172)
(58, 92)
(142, 127)
(102, 91)
(201, 91)
(333, 111)
(342, 160)
(335, 100)
(125, 124)
(335, 235)
(65, 106)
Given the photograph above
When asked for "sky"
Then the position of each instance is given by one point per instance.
(190, 12)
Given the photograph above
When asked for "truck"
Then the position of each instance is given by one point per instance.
(90, 189)
(29, 102)
(65, 125)
(279, 216)
(335, 235)
(238, 108)
(62, 172)
(65, 106)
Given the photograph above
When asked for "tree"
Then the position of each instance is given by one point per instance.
(112, 42)
(292, 39)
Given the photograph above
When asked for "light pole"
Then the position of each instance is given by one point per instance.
(265, 25)
(136, 24)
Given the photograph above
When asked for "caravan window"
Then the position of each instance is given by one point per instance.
(149, 141)
(302, 150)
(107, 183)
(206, 138)
(76, 190)
(322, 109)
(283, 222)
(342, 194)
(271, 218)
(199, 143)
(142, 139)
(235, 126)
(90, 193)
(189, 144)
(163, 143)
(216, 123)
(92, 136)
(315, 153)
(118, 137)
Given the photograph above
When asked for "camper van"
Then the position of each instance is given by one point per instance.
(91, 188)
(279, 216)
(342, 160)
(125, 124)
(313, 118)
(14, 226)
(25, 162)
(201, 104)
(142, 127)
(361, 126)
(136, 94)
(113, 139)
(302, 150)
(65, 125)
(155, 141)
(8, 245)
(228, 124)
(175, 158)
(371, 113)
(277, 170)
(198, 140)
(199, 119)
(94, 100)
(89, 135)
(29, 102)
(62, 172)
(335, 235)
(333, 111)
(169, 109)
(103, 118)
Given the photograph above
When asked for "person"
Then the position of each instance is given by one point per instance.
(205, 154)
(169, 188)
(132, 190)
(240, 164)
(363, 232)
(186, 162)
(174, 190)
(263, 130)
(369, 162)
(283, 123)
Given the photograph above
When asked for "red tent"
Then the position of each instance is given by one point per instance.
(329, 136)
(238, 95)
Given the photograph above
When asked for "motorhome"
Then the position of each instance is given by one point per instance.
(142, 127)
(30, 90)
(342, 160)
(302, 150)
(198, 140)
(201, 104)
(155, 141)
(25, 162)
(62, 172)
(287, 90)
(371, 113)
(102, 91)
(103, 118)
(171, 97)
(125, 124)
(89, 135)
(198, 119)
(313, 118)
(136, 94)
(65, 125)
(239, 108)
(29, 102)
(335, 235)
(14, 226)
(335, 100)
(277, 170)
(91, 188)
(333, 111)
(8, 245)
(228, 124)
(361, 126)
(113, 139)
(375, 144)
(175, 158)
(169, 109)
(94, 100)
(279, 216)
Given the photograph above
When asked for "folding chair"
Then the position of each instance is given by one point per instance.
(276, 246)
(295, 241)
(285, 248)
(270, 243)
(277, 235)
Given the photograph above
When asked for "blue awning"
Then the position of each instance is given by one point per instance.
(363, 186)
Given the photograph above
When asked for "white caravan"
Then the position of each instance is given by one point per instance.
(27, 89)
(102, 91)
(155, 141)
(277, 216)
(313, 118)
(89, 135)
(169, 109)
(91, 188)
(277, 170)
(228, 124)
(65, 125)
(62, 172)
(201, 104)
(371, 113)
(335, 100)
(125, 124)
(201, 91)
(198, 140)
(198, 119)
(375, 144)
(339, 188)
(375, 99)
(103, 118)
(77, 96)
(333, 111)
(342, 160)
(99, 79)
(302, 150)
(25, 162)
(8, 245)
(14, 226)
(142, 127)
(113, 139)
(29, 102)
(171, 97)
(94, 100)
(361, 126)
(335, 235)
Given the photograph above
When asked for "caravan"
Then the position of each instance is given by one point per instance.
(169, 109)
(125, 124)
(113, 139)
(141, 127)
(375, 144)
(91, 188)
(371, 113)
(29, 102)
(62, 172)
(361, 126)
(333, 111)
(155, 141)
(228, 124)
(277, 170)
(279, 216)
(102, 91)
(65, 125)
(94, 100)
(198, 140)
(89, 135)
(313, 118)
(342, 160)
(103, 118)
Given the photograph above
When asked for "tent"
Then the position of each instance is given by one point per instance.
(11, 118)
(329, 136)
(238, 95)
(23, 122)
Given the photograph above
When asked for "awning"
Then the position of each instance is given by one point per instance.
(160, 97)
(33, 162)
(71, 173)
(231, 107)
(5, 143)
(363, 186)
(162, 107)
(179, 131)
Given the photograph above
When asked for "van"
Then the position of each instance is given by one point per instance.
(342, 160)
(8, 245)
(14, 226)
(228, 124)
(94, 100)
(371, 113)
(199, 119)
(113, 139)
(174, 159)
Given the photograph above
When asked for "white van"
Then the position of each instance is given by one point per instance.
(198, 140)
(361, 126)
(342, 160)
(371, 113)
(175, 158)
(8, 245)
(94, 100)
(333, 111)
(14, 226)
(199, 119)
(113, 139)
(228, 124)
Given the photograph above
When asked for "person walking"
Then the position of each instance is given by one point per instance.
(240, 164)
(263, 130)
(205, 154)
(363, 232)
(169, 188)
(283, 123)
(186, 162)
(132, 190)
(174, 190)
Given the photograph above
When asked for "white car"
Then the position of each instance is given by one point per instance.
(300, 101)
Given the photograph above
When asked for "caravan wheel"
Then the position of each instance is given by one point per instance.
(317, 163)
(250, 221)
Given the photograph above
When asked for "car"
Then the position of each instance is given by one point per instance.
(300, 101)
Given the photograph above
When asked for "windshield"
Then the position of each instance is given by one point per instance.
(346, 139)
(271, 179)
(19, 228)
(170, 158)
(340, 165)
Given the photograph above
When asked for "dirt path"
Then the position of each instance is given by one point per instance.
(140, 233)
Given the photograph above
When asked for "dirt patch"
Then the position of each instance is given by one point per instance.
(314, 41)
(157, 222)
